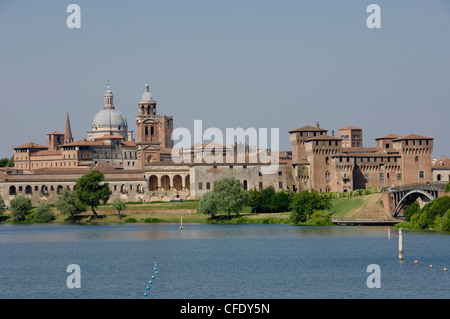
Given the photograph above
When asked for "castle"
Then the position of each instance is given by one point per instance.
(145, 170)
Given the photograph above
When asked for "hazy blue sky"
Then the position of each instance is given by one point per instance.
(246, 63)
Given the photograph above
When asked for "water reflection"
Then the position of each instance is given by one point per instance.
(56, 233)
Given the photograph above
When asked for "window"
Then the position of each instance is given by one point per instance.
(387, 145)
(280, 185)
(327, 175)
(208, 185)
(438, 177)
(260, 185)
(381, 176)
(280, 173)
(259, 173)
(327, 160)
(399, 176)
(366, 176)
(416, 159)
(421, 174)
(200, 186)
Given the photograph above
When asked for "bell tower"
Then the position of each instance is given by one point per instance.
(147, 121)
(152, 129)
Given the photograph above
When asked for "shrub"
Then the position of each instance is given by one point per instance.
(43, 213)
(130, 220)
(152, 220)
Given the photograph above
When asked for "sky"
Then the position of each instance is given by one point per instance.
(248, 63)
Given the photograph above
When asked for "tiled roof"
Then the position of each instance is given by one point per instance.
(128, 143)
(413, 137)
(55, 133)
(350, 128)
(86, 143)
(309, 128)
(441, 163)
(31, 146)
(388, 137)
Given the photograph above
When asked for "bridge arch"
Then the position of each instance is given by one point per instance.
(412, 196)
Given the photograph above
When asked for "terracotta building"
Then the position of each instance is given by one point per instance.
(321, 162)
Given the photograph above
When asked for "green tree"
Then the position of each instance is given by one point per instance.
(2, 205)
(304, 204)
(91, 190)
(281, 200)
(229, 195)
(444, 224)
(447, 187)
(4, 161)
(254, 200)
(411, 210)
(7, 162)
(43, 213)
(20, 208)
(118, 205)
(69, 203)
(207, 204)
(267, 196)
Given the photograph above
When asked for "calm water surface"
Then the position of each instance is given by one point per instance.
(220, 261)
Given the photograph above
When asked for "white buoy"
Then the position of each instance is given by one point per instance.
(181, 225)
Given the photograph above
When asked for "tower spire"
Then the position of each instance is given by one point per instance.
(68, 131)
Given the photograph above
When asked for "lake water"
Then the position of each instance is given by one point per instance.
(220, 261)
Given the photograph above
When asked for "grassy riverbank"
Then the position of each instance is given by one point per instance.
(365, 206)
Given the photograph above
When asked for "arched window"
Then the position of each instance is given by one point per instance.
(439, 177)
(416, 159)
(12, 190)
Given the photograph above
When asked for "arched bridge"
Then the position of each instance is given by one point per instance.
(396, 198)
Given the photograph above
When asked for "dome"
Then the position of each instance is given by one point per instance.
(109, 117)
(147, 96)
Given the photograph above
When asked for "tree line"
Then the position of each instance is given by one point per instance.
(228, 196)
(89, 192)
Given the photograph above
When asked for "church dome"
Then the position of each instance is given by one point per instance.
(109, 117)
